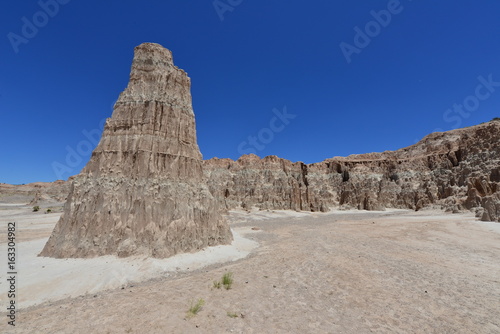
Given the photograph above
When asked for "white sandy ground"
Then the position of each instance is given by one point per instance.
(351, 272)
(37, 276)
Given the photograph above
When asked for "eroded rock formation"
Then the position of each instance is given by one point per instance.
(35, 193)
(456, 170)
(143, 191)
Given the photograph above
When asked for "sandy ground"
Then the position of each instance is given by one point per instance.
(340, 272)
(39, 275)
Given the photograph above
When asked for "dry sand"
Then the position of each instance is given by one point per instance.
(39, 275)
(340, 272)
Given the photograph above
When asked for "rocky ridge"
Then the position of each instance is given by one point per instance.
(456, 170)
(143, 191)
(35, 193)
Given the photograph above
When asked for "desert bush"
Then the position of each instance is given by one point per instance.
(36, 208)
(196, 307)
(232, 315)
(227, 280)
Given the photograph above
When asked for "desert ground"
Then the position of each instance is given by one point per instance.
(356, 272)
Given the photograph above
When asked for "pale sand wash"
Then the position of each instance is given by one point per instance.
(340, 272)
(44, 279)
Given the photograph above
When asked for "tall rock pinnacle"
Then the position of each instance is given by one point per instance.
(143, 190)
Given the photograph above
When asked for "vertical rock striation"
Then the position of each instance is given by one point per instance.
(143, 190)
(455, 170)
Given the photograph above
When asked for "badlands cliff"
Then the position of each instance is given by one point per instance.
(146, 189)
(142, 191)
(35, 193)
(456, 170)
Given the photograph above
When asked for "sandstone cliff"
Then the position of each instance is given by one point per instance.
(456, 170)
(142, 191)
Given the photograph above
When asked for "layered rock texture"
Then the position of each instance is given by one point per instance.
(35, 193)
(147, 191)
(143, 191)
(456, 170)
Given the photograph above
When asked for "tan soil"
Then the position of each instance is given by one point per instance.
(350, 272)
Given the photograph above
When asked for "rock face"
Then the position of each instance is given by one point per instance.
(143, 190)
(456, 170)
(35, 193)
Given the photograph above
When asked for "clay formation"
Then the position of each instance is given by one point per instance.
(456, 170)
(143, 191)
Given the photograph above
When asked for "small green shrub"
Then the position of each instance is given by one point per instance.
(48, 211)
(496, 119)
(196, 307)
(227, 280)
(232, 315)
(36, 208)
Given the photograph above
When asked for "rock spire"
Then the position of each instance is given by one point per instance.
(143, 190)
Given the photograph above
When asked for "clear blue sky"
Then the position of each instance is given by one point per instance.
(263, 56)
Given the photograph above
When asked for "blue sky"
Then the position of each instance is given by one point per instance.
(407, 74)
